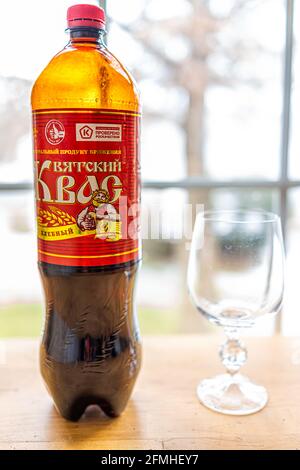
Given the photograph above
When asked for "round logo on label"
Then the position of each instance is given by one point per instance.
(55, 132)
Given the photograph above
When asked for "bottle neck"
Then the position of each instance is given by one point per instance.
(86, 35)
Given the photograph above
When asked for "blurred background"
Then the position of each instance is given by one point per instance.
(219, 81)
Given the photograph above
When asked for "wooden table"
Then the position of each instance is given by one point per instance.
(164, 412)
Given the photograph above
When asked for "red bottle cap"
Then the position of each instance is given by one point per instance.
(86, 15)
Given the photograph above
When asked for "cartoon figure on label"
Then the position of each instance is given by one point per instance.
(101, 216)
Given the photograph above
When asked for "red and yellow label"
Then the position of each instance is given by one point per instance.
(87, 186)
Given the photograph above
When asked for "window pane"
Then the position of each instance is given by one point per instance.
(211, 88)
(162, 292)
(38, 33)
(294, 167)
(211, 80)
(244, 112)
(163, 302)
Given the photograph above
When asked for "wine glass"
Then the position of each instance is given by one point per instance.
(235, 278)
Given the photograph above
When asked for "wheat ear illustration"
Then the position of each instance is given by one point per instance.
(54, 217)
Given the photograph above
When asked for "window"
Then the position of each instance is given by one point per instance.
(219, 82)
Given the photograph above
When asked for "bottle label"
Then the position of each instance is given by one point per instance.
(87, 186)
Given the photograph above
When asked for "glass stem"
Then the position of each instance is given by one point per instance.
(233, 353)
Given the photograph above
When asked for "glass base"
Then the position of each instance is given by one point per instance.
(232, 395)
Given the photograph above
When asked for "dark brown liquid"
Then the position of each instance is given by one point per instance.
(90, 351)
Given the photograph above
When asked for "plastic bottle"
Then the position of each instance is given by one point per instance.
(87, 183)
